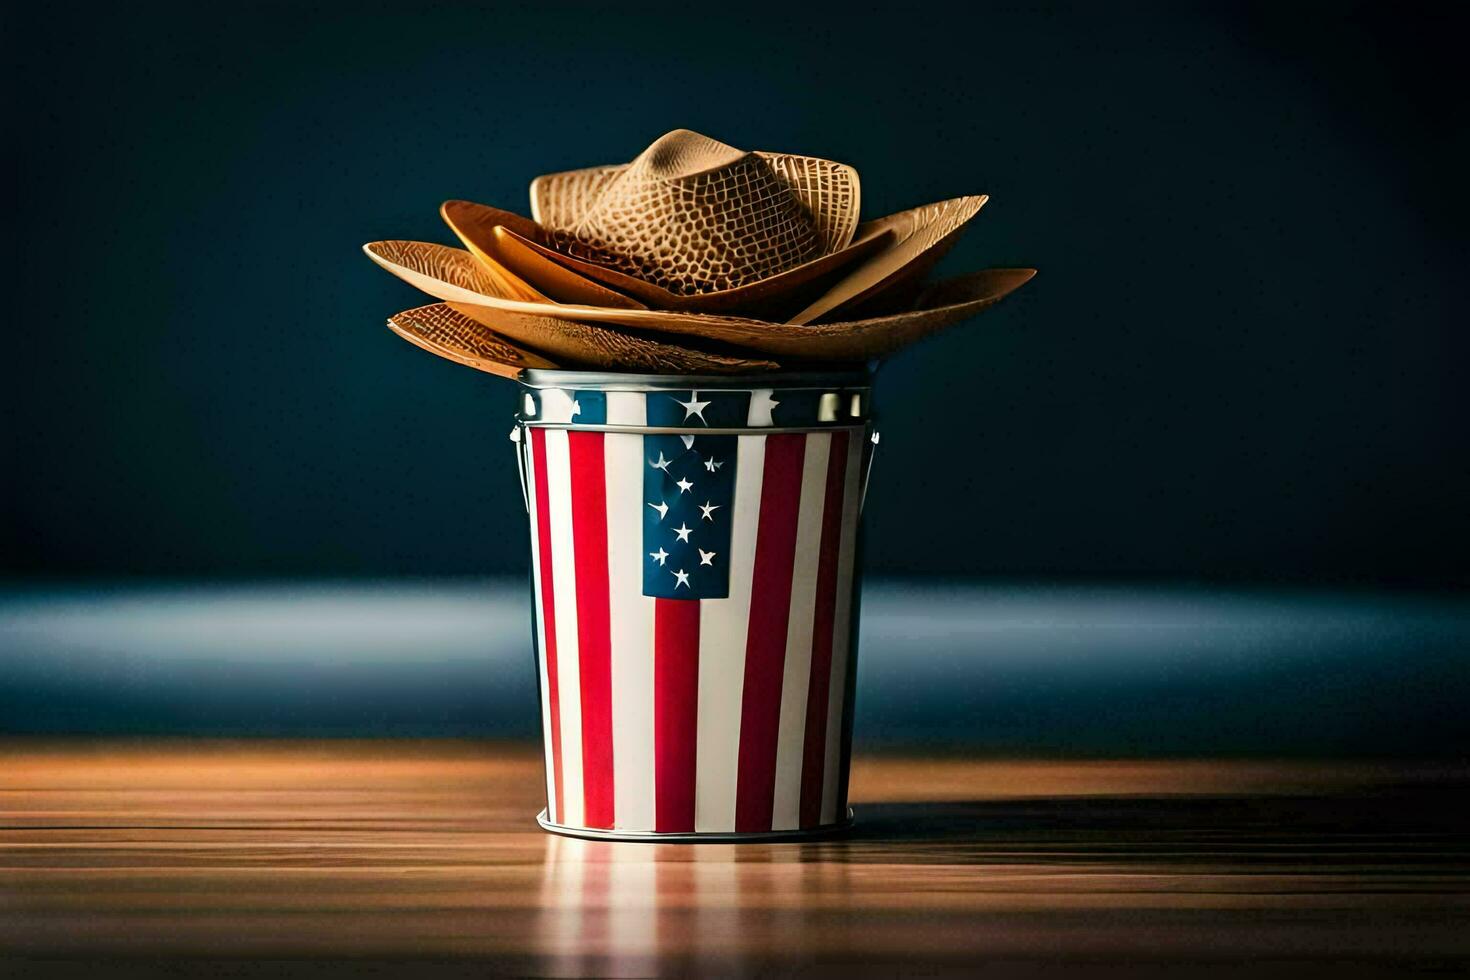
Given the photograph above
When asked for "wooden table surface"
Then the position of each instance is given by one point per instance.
(327, 858)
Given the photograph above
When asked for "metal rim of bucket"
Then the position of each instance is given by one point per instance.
(619, 381)
(859, 427)
(696, 837)
(854, 386)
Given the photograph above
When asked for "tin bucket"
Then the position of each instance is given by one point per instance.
(694, 554)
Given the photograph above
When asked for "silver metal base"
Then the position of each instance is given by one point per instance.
(696, 837)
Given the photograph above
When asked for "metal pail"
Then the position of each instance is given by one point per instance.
(694, 547)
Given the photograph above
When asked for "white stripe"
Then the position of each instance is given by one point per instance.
(842, 628)
(564, 578)
(631, 629)
(532, 505)
(557, 405)
(626, 408)
(786, 807)
(723, 625)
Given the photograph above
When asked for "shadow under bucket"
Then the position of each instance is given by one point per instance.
(694, 545)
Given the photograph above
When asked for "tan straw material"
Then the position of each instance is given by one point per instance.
(693, 215)
(483, 231)
(455, 276)
(591, 345)
(780, 293)
(517, 248)
(921, 236)
(452, 335)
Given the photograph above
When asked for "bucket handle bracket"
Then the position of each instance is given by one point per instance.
(515, 437)
(868, 468)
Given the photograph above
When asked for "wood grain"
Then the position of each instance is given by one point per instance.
(324, 857)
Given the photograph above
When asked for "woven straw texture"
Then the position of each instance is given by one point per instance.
(442, 272)
(558, 201)
(450, 334)
(693, 215)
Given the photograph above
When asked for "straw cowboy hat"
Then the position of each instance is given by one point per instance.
(456, 277)
(693, 215)
(524, 256)
(732, 260)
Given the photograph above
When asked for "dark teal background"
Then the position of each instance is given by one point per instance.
(1244, 356)
(1242, 364)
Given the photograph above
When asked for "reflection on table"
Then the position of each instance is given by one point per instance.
(332, 855)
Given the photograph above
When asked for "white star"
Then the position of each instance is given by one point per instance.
(662, 464)
(684, 485)
(658, 555)
(761, 404)
(707, 510)
(688, 441)
(576, 407)
(705, 557)
(693, 407)
(713, 464)
(683, 532)
(662, 509)
(683, 578)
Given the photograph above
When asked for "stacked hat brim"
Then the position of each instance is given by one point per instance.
(511, 243)
(441, 330)
(518, 342)
(651, 267)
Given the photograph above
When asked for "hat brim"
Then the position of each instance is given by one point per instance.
(519, 249)
(942, 305)
(782, 292)
(592, 345)
(483, 231)
(455, 276)
(920, 238)
(831, 192)
(450, 334)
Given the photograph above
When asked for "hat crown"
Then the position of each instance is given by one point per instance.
(694, 215)
(684, 153)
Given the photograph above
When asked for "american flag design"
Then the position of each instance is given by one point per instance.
(694, 605)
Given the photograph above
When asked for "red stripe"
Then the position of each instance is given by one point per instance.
(814, 748)
(548, 611)
(594, 649)
(849, 700)
(765, 642)
(675, 712)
